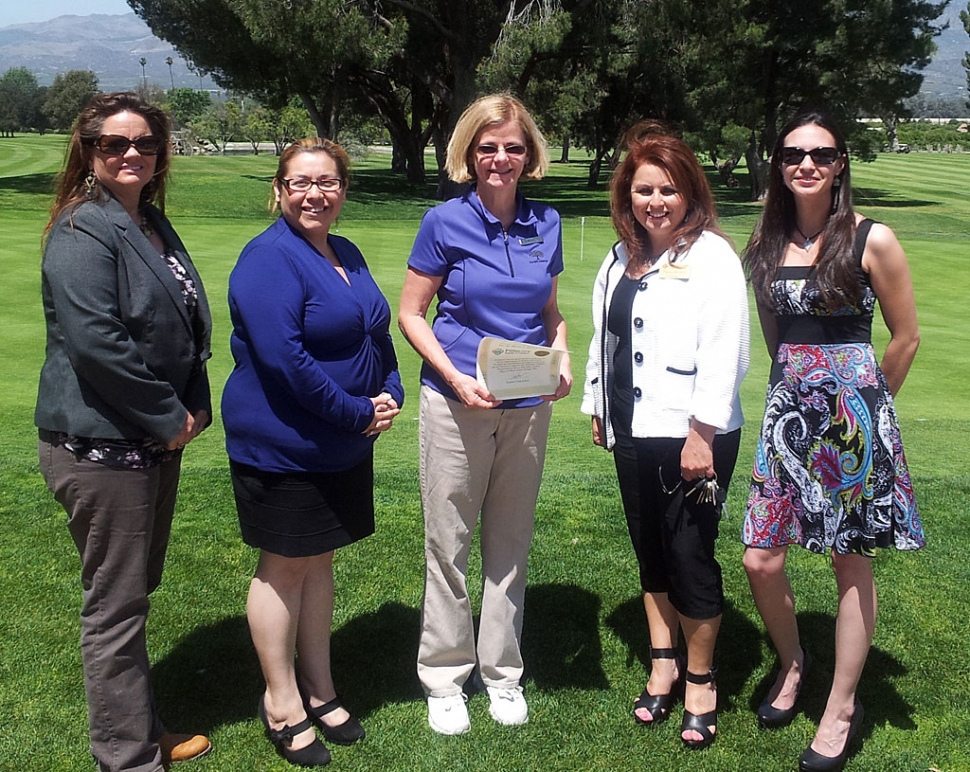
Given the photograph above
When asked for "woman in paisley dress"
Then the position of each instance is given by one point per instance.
(829, 470)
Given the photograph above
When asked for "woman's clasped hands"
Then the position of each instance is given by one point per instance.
(385, 411)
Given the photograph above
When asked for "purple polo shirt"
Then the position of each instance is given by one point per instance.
(494, 283)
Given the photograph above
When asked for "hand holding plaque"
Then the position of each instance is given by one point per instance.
(512, 370)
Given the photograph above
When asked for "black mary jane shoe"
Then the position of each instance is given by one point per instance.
(770, 717)
(313, 755)
(700, 723)
(812, 761)
(658, 705)
(347, 733)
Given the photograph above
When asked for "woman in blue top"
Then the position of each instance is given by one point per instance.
(492, 259)
(315, 382)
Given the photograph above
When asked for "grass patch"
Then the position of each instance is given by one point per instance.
(585, 636)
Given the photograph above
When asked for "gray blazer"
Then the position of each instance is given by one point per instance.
(124, 359)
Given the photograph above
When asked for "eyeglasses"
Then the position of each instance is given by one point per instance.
(112, 144)
(303, 185)
(511, 150)
(821, 156)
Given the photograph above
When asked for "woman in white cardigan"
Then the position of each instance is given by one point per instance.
(669, 351)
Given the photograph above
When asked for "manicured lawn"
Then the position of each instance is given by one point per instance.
(585, 636)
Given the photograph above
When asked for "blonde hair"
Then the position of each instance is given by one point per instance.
(493, 110)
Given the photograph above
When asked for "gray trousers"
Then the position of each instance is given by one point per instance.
(120, 521)
(486, 462)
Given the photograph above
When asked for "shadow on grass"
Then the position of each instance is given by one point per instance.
(560, 638)
(212, 677)
(737, 655)
(881, 699)
(29, 183)
(877, 197)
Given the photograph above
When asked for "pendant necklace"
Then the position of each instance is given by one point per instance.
(145, 226)
(808, 240)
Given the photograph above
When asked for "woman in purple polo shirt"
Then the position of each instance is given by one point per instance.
(491, 258)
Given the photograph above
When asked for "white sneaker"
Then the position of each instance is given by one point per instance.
(508, 706)
(448, 715)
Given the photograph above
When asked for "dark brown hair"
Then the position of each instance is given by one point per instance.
(310, 145)
(650, 142)
(70, 190)
(835, 267)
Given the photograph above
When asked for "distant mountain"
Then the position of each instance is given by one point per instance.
(945, 75)
(110, 46)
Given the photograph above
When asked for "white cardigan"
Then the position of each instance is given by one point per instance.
(691, 326)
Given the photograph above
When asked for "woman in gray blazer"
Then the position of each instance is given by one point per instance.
(123, 390)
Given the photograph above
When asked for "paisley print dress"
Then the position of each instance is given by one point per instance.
(829, 469)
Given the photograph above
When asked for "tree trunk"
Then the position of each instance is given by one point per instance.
(757, 169)
(595, 166)
(564, 156)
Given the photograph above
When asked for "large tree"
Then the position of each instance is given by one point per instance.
(18, 101)
(67, 95)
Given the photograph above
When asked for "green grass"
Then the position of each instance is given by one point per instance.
(585, 637)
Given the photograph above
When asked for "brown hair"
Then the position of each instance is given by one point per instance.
(494, 110)
(70, 191)
(650, 142)
(310, 145)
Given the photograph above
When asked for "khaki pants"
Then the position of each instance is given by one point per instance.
(473, 462)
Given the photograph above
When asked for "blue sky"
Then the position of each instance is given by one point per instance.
(19, 12)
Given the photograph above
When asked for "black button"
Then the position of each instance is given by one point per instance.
(638, 322)
(638, 357)
(636, 392)
(643, 285)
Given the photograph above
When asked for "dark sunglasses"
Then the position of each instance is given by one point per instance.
(821, 156)
(111, 144)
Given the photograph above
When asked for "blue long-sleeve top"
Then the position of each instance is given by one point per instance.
(310, 350)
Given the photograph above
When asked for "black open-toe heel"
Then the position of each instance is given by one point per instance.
(313, 755)
(347, 733)
(701, 723)
(658, 705)
(812, 761)
(770, 717)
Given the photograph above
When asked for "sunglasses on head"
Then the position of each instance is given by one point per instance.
(821, 156)
(111, 144)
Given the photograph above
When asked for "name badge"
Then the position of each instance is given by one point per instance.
(528, 241)
(675, 271)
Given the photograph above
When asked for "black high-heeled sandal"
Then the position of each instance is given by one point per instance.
(313, 755)
(700, 723)
(813, 761)
(770, 717)
(347, 733)
(658, 705)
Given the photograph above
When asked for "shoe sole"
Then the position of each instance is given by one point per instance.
(446, 732)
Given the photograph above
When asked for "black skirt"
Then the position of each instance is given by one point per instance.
(298, 515)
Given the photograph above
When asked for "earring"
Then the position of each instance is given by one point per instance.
(89, 184)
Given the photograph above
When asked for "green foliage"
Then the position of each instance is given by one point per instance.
(584, 634)
(219, 124)
(67, 95)
(933, 136)
(187, 105)
(19, 106)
